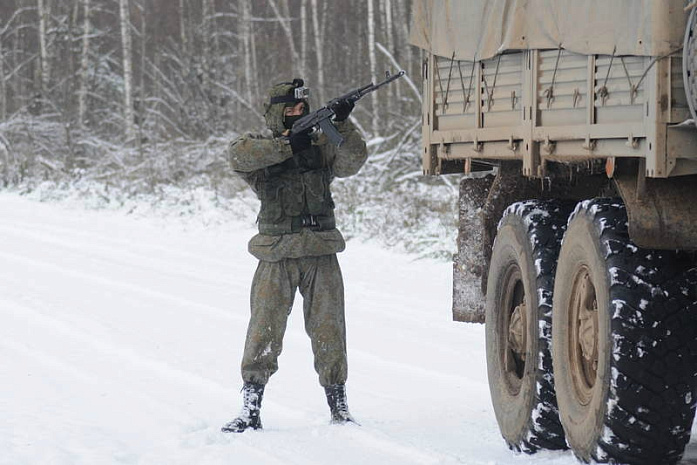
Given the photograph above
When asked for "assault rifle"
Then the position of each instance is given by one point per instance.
(322, 118)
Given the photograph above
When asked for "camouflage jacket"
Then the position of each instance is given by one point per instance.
(258, 159)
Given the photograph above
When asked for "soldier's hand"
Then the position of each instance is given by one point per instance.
(300, 142)
(342, 109)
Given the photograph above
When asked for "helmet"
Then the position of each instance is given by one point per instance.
(285, 94)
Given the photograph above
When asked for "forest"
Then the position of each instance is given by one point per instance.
(126, 98)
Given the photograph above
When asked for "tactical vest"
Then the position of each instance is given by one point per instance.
(295, 195)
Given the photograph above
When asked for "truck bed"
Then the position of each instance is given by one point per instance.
(542, 106)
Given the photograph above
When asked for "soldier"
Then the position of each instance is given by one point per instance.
(296, 246)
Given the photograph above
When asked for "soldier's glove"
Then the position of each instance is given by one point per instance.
(300, 142)
(342, 109)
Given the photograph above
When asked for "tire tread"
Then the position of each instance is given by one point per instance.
(546, 222)
(651, 399)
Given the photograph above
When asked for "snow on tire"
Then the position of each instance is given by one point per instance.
(622, 339)
(518, 324)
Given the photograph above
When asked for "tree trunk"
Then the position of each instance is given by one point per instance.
(84, 65)
(395, 90)
(207, 13)
(408, 59)
(255, 80)
(43, 46)
(373, 66)
(3, 86)
(283, 15)
(141, 85)
(127, 44)
(246, 37)
(319, 50)
(303, 37)
(213, 30)
(182, 27)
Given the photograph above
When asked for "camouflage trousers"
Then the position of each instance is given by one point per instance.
(273, 291)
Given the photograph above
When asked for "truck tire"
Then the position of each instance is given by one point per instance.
(518, 324)
(622, 340)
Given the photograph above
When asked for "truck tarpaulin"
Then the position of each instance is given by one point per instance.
(475, 30)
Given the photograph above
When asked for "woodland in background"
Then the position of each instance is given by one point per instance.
(141, 95)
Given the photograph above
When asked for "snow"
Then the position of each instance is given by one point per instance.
(121, 339)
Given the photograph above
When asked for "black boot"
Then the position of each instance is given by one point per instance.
(336, 398)
(252, 394)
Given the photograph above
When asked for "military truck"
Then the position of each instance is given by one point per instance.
(573, 121)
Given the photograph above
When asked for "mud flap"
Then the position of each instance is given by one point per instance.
(661, 212)
(470, 261)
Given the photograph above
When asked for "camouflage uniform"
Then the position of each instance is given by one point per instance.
(296, 245)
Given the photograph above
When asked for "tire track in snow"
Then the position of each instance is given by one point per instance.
(376, 361)
(402, 451)
(124, 286)
(121, 256)
(50, 360)
(380, 363)
(31, 316)
(367, 438)
(73, 234)
(133, 359)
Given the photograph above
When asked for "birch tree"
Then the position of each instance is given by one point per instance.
(3, 84)
(245, 24)
(183, 26)
(208, 11)
(84, 63)
(319, 48)
(283, 15)
(142, 110)
(45, 66)
(373, 65)
(127, 46)
(389, 38)
(255, 67)
(303, 36)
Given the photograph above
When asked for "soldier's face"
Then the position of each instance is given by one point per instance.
(296, 110)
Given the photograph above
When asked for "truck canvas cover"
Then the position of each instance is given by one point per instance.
(475, 30)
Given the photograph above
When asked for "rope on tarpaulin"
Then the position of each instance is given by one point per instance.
(549, 92)
(466, 95)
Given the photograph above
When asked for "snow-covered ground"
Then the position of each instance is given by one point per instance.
(120, 342)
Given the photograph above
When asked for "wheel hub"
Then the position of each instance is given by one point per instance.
(587, 322)
(584, 335)
(516, 330)
(513, 330)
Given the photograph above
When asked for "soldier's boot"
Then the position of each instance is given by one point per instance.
(252, 394)
(336, 398)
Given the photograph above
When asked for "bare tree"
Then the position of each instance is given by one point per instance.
(207, 58)
(42, 9)
(303, 36)
(245, 26)
(373, 64)
(127, 45)
(319, 46)
(389, 37)
(283, 15)
(255, 66)
(84, 63)
(3, 84)
(183, 31)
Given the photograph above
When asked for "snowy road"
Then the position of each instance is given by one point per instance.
(120, 341)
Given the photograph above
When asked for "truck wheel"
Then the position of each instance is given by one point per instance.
(518, 324)
(621, 342)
